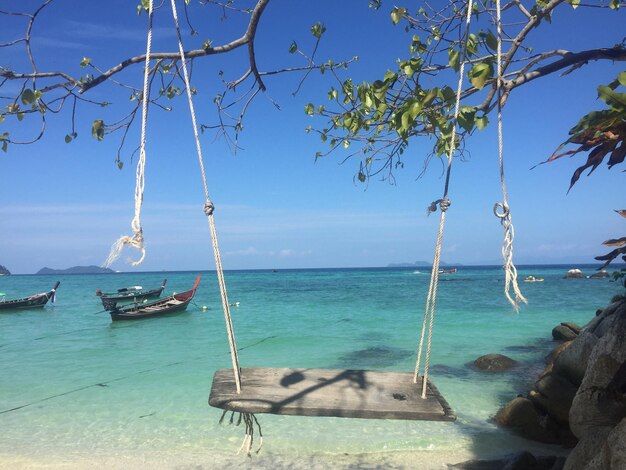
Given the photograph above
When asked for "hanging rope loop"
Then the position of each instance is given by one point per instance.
(136, 240)
(209, 207)
(501, 210)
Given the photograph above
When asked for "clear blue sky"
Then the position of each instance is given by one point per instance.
(63, 205)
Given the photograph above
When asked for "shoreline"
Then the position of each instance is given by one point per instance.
(422, 459)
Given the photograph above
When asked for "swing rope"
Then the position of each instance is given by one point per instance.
(208, 210)
(502, 209)
(444, 204)
(136, 240)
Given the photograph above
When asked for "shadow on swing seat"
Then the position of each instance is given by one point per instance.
(329, 392)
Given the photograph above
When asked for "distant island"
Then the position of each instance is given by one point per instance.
(420, 264)
(77, 270)
(4, 271)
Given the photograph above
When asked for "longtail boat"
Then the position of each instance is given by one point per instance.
(34, 301)
(171, 304)
(447, 271)
(134, 293)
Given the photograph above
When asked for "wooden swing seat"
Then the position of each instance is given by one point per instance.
(329, 392)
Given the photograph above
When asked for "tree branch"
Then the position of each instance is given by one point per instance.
(617, 53)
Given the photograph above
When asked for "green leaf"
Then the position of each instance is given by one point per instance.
(480, 73)
(318, 29)
(482, 122)
(97, 129)
(85, 62)
(415, 109)
(309, 109)
(293, 48)
(491, 41)
(20, 116)
(28, 96)
(143, 6)
(610, 97)
(361, 176)
(406, 121)
(397, 14)
(429, 97)
(1, 117)
(614, 4)
(454, 59)
(467, 117)
(207, 44)
(5, 145)
(390, 76)
(621, 78)
(68, 138)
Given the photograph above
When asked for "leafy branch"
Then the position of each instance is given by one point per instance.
(38, 89)
(380, 117)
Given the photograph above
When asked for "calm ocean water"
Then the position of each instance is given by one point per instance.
(78, 391)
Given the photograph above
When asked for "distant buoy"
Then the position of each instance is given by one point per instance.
(236, 304)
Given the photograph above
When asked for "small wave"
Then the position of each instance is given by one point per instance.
(417, 272)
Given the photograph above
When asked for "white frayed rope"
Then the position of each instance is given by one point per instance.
(136, 240)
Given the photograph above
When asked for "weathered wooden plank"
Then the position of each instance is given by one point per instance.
(329, 392)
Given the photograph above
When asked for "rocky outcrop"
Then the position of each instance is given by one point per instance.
(525, 419)
(572, 360)
(603, 273)
(494, 363)
(580, 398)
(565, 331)
(4, 271)
(599, 407)
(574, 274)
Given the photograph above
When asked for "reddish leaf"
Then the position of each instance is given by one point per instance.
(622, 212)
(595, 158)
(618, 155)
(611, 256)
(615, 242)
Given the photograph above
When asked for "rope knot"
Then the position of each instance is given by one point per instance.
(209, 208)
(504, 212)
(444, 205)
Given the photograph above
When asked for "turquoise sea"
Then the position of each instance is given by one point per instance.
(78, 391)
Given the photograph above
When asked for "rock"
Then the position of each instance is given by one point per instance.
(605, 320)
(4, 271)
(585, 450)
(600, 274)
(574, 274)
(563, 332)
(559, 394)
(521, 416)
(613, 453)
(572, 361)
(573, 326)
(600, 402)
(550, 358)
(494, 363)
